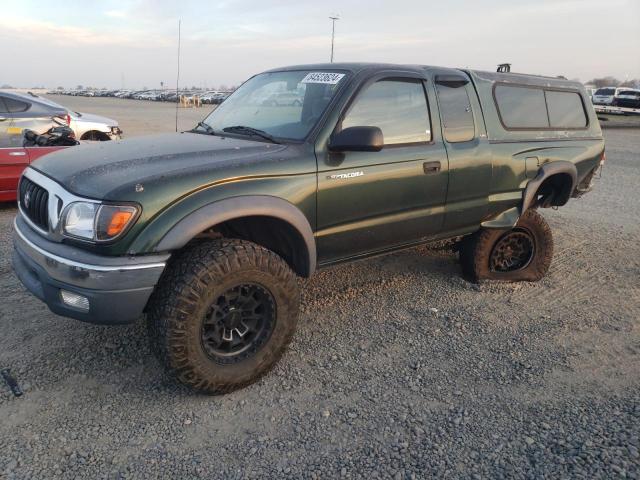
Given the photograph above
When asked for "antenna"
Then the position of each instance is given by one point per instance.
(333, 32)
(178, 76)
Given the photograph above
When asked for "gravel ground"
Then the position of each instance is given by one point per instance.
(400, 369)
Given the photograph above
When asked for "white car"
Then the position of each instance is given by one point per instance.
(88, 126)
(604, 96)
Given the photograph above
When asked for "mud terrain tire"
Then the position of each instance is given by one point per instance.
(493, 254)
(191, 299)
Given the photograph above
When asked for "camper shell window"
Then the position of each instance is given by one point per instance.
(523, 107)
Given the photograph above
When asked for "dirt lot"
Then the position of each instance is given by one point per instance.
(399, 369)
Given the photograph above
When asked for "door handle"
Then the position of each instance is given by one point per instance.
(2, 119)
(17, 154)
(431, 167)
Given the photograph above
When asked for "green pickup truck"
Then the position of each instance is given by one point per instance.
(205, 231)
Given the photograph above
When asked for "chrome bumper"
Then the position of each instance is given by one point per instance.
(116, 288)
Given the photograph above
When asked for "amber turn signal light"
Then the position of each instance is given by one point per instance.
(113, 220)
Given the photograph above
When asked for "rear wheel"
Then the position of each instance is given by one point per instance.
(223, 314)
(523, 253)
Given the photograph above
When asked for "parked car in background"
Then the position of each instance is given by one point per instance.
(20, 112)
(162, 95)
(284, 99)
(627, 98)
(604, 96)
(88, 126)
(13, 160)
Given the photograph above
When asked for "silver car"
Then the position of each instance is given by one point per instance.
(19, 112)
(88, 126)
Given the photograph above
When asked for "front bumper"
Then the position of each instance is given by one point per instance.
(117, 288)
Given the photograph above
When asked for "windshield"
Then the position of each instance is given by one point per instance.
(284, 105)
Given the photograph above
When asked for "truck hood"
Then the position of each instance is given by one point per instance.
(175, 164)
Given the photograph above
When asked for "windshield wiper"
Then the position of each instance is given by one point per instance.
(243, 130)
(206, 127)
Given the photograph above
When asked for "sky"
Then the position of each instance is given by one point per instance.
(133, 44)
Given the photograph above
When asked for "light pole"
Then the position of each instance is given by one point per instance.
(333, 33)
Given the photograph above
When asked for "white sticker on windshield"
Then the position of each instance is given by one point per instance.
(323, 77)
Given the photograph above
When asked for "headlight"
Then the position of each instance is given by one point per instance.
(92, 221)
(80, 219)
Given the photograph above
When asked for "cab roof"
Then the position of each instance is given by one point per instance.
(357, 67)
(511, 77)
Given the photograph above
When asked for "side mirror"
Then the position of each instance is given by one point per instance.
(357, 139)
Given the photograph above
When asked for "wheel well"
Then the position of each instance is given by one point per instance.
(95, 134)
(554, 191)
(272, 233)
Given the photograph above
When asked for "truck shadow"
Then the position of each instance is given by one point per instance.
(120, 359)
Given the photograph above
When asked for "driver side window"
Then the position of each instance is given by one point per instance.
(397, 107)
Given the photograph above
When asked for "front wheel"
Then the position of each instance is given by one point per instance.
(223, 314)
(522, 253)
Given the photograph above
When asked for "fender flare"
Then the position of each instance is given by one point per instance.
(547, 170)
(236, 207)
(509, 218)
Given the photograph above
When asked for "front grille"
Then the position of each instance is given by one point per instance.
(34, 200)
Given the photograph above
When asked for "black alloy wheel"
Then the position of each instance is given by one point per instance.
(514, 251)
(238, 323)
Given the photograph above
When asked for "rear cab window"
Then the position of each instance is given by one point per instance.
(455, 109)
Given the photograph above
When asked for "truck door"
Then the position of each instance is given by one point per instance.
(465, 138)
(372, 201)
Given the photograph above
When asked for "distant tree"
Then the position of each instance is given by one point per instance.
(634, 83)
(6, 86)
(59, 88)
(605, 82)
(79, 87)
(223, 88)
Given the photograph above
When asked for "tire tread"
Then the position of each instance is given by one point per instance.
(182, 287)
